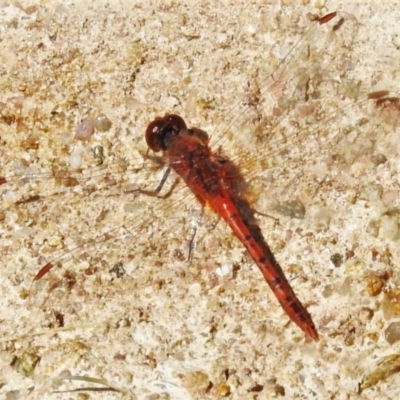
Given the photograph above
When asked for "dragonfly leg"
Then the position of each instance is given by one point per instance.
(157, 190)
(195, 222)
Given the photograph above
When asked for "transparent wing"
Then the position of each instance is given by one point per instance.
(83, 225)
(311, 123)
(287, 91)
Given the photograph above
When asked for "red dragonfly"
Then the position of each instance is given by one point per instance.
(296, 119)
(215, 182)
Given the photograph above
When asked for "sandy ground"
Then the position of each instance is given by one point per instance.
(127, 315)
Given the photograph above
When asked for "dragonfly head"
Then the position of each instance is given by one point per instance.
(162, 131)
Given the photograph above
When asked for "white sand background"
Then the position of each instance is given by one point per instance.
(169, 328)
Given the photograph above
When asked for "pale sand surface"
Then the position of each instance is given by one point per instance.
(170, 329)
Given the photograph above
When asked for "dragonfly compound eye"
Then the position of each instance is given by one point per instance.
(162, 130)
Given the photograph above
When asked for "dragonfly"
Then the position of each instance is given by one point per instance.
(282, 124)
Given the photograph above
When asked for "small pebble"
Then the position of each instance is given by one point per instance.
(85, 130)
(225, 270)
(102, 123)
(292, 209)
(392, 332)
(75, 160)
(337, 259)
(373, 285)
